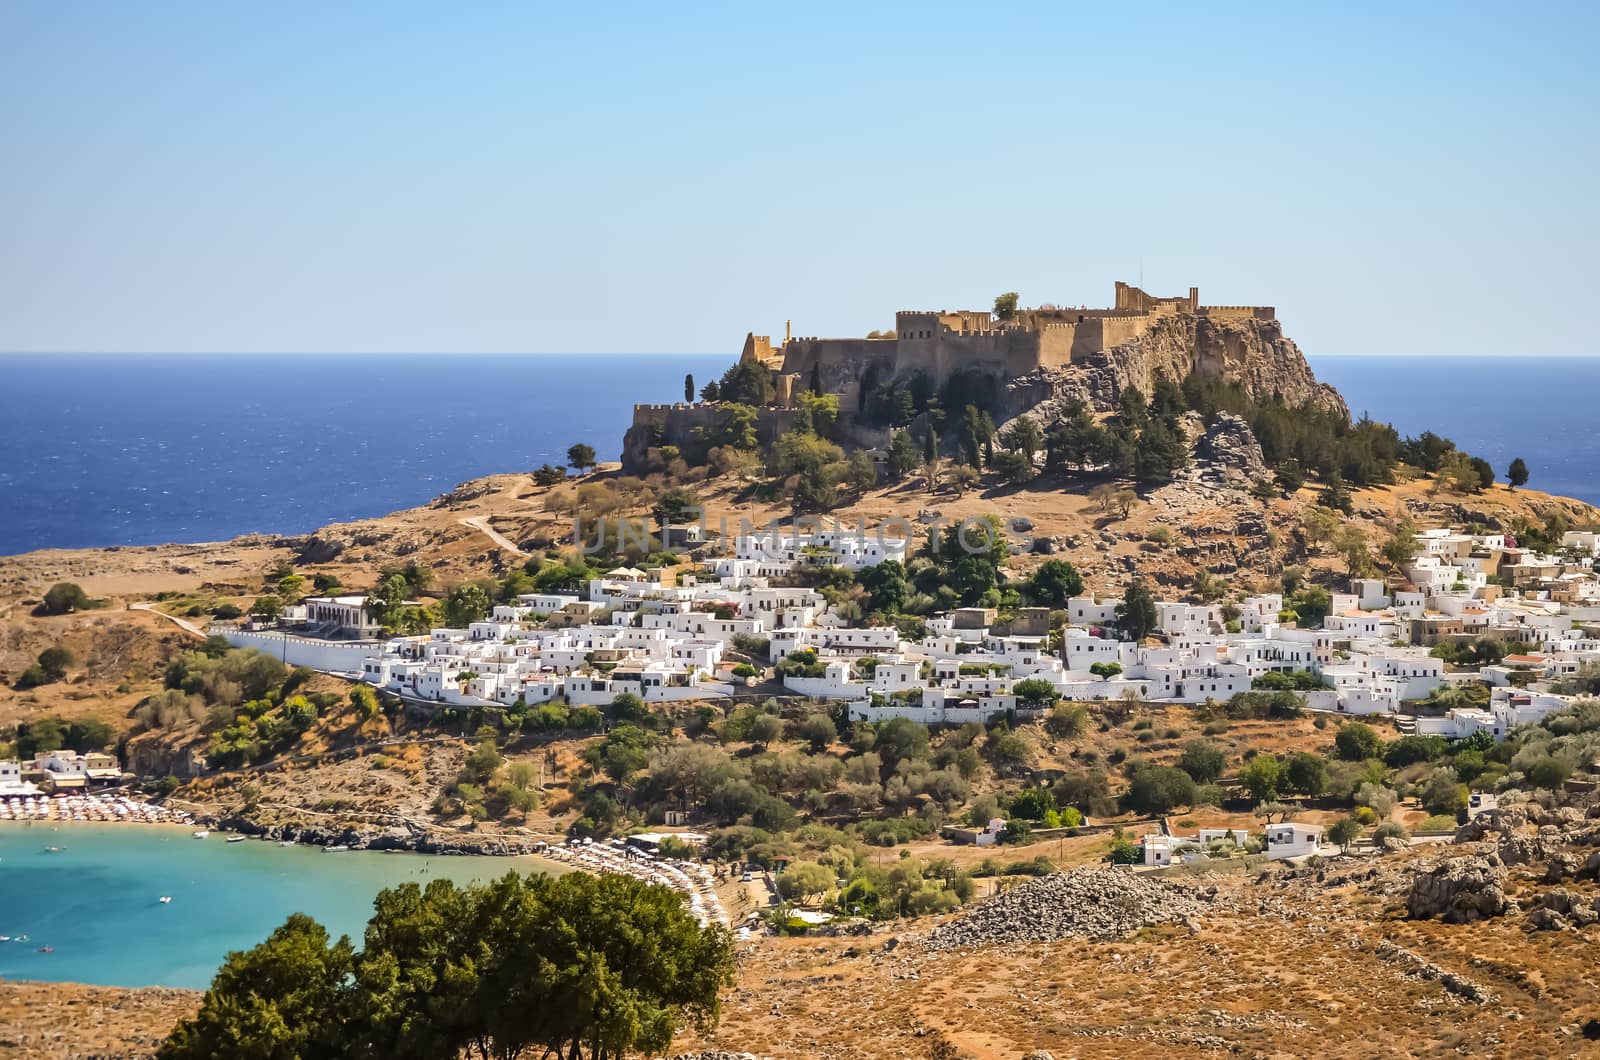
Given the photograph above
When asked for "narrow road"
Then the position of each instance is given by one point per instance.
(481, 522)
(187, 627)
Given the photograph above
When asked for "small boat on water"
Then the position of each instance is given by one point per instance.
(237, 838)
(166, 899)
(47, 949)
(339, 849)
(202, 833)
(54, 850)
(286, 842)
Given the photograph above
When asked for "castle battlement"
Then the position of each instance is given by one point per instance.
(944, 342)
(1007, 365)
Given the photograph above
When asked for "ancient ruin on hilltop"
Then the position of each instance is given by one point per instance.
(1010, 363)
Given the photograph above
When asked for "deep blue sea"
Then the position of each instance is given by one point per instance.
(129, 450)
(1543, 409)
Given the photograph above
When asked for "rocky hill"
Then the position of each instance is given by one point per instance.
(1012, 368)
(1253, 353)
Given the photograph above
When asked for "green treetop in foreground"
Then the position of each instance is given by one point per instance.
(578, 967)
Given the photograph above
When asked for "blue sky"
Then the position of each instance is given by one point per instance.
(1397, 179)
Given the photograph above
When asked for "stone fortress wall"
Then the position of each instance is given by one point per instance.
(1035, 355)
(945, 343)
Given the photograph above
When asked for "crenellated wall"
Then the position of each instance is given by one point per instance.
(1239, 312)
(1040, 354)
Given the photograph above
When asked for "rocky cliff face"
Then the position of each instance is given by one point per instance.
(1253, 353)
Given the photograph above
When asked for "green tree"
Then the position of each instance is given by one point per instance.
(803, 879)
(688, 771)
(580, 456)
(1305, 774)
(90, 734)
(1158, 789)
(32, 677)
(901, 740)
(267, 608)
(818, 731)
(821, 410)
(1335, 495)
(1203, 761)
(464, 605)
(41, 736)
(54, 663)
(1014, 467)
(862, 473)
(1311, 603)
(737, 429)
(766, 729)
(523, 966)
(1067, 721)
(291, 587)
(64, 597)
(1034, 693)
(1409, 750)
(1355, 742)
(1136, 614)
(365, 701)
(677, 505)
(1005, 305)
(1123, 851)
(625, 751)
(1023, 436)
(1517, 473)
(1262, 777)
(903, 455)
(888, 586)
(1401, 544)
(1160, 451)
(1344, 832)
(748, 383)
(282, 1000)
(688, 389)
(1351, 542)
(1443, 792)
(1054, 583)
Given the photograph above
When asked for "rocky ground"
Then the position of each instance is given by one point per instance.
(1095, 903)
(67, 1021)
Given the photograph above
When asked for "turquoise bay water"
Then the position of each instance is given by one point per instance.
(96, 902)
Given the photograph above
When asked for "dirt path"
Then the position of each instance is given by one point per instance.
(481, 522)
(187, 627)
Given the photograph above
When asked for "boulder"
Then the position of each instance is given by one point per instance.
(316, 549)
(1562, 867)
(1542, 919)
(1459, 890)
(1559, 900)
(1521, 849)
(1230, 444)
